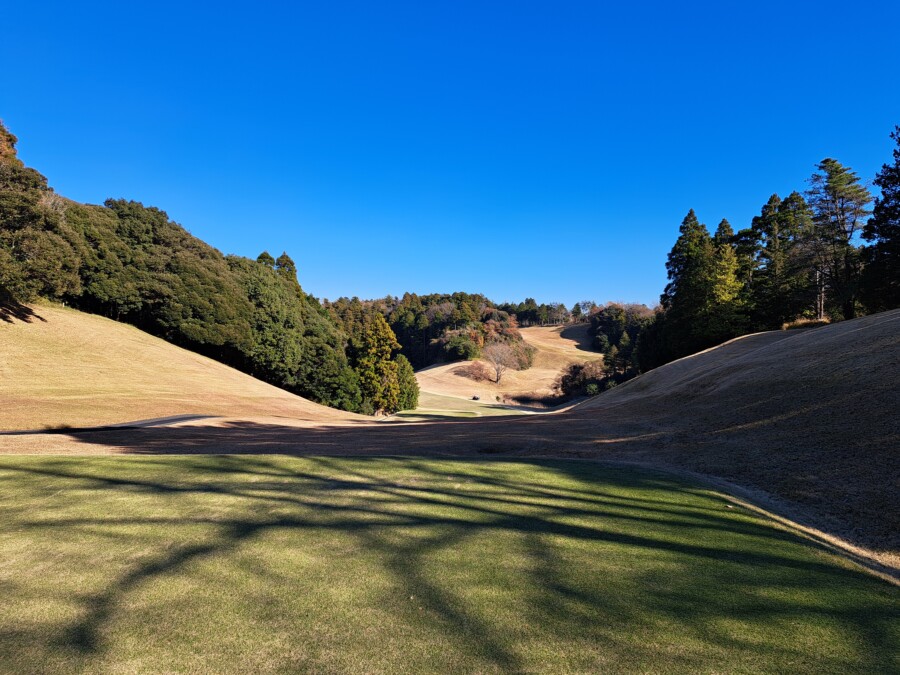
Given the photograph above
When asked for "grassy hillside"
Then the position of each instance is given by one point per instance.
(61, 367)
(276, 564)
(808, 415)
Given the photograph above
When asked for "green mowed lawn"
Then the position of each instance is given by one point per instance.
(438, 406)
(259, 564)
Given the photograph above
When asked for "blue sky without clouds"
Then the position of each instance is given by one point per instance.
(510, 148)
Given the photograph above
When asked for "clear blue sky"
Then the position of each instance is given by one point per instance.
(510, 148)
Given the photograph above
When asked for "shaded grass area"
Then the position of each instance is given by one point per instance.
(259, 564)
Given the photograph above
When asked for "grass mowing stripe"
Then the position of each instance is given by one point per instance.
(271, 564)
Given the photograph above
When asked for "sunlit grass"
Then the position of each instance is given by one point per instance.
(254, 564)
(438, 406)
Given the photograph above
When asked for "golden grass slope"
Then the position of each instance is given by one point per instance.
(62, 367)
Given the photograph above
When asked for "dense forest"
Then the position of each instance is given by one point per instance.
(438, 327)
(131, 263)
(826, 254)
(830, 253)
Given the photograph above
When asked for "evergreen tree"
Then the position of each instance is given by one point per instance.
(286, 266)
(794, 290)
(409, 387)
(265, 258)
(689, 297)
(611, 361)
(689, 267)
(783, 285)
(770, 263)
(747, 248)
(725, 320)
(377, 372)
(840, 205)
(881, 276)
(576, 312)
(626, 350)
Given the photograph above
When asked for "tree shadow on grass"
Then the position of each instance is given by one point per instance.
(696, 564)
(11, 311)
(847, 493)
(580, 333)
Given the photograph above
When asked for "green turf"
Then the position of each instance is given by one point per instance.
(438, 406)
(261, 564)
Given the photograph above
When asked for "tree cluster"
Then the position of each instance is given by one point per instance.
(133, 264)
(616, 328)
(802, 257)
(440, 327)
(387, 380)
(529, 313)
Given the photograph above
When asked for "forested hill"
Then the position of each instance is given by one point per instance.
(133, 264)
(439, 327)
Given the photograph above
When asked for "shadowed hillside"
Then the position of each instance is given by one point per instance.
(61, 367)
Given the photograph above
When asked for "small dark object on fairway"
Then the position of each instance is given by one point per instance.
(476, 398)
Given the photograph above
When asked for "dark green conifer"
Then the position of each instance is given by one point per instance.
(881, 276)
(409, 387)
(840, 205)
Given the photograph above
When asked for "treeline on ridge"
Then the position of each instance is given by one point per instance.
(828, 254)
(131, 263)
(809, 258)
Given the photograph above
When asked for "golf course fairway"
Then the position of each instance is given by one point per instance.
(272, 563)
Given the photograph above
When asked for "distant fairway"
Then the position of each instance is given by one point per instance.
(264, 564)
(556, 347)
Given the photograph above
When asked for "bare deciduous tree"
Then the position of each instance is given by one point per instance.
(501, 357)
(474, 370)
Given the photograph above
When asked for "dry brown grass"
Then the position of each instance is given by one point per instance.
(805, 323)
(62, 368)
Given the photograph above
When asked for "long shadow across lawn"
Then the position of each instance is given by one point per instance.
(850, 492)
(724, 580)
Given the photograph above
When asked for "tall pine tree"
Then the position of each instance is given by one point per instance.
(840, 205)
(881, 276)
(725, 313)
(783, 285)
(689, 298)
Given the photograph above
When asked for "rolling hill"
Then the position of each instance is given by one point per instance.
(60, 367)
